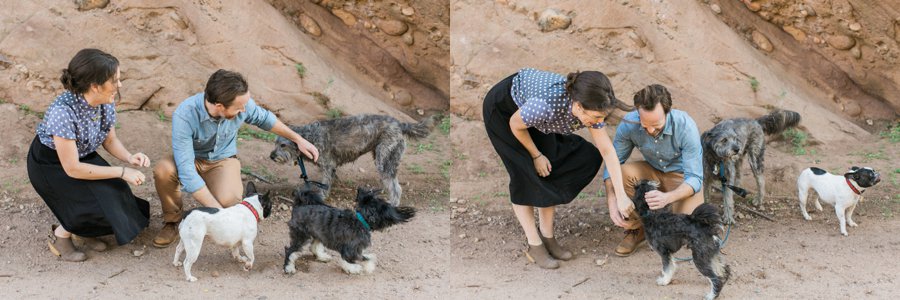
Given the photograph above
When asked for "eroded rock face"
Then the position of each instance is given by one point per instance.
(552, 19)
(91, 4)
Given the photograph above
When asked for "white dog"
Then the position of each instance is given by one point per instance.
(233, 227)
(842, 192)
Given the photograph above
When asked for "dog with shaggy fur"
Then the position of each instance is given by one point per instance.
(343, 140)
(727, 144)
(349, 232)
(668, 232)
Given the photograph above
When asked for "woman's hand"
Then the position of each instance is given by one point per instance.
(542, 165)
(139, 160)
(133, 176)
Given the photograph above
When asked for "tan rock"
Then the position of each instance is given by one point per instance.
(310, 25)
(403, 97)
(840, 42)
(857, 54)
(715, 8)
(762, 41)
(552, 19)
(91, 4)
(393, 27)
(408, 38)
(851, 108)
(798, 34)
(345, 16)
(408, 11)
(855, 26)
(753, 6)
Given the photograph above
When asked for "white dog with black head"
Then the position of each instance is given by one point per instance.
(842, 192)
(234, 227)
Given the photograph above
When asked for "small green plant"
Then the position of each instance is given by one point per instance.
(445, 125)
(445, 169)
(246, 133)
(798, 140)
(420, 147)
(754, 84)
(892, 134)
(2, 101)
(482, 174)
(416, 169)
(14, 160)
(301, 70)
(583, 195)
(501, 194)
(161, 115)
(334, 113)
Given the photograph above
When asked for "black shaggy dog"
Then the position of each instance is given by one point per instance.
(667, 232)
(343, 140)
(343, 230)
(725, 146)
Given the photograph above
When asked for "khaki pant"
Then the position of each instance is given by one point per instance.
(223, 179)
(633, 172)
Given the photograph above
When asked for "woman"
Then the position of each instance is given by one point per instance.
(89, 197)
(530, 119)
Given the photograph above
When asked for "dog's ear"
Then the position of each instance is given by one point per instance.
(250, 189)
(266, 202)
(854, 169)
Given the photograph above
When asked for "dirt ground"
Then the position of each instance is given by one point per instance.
(788, 258)
(408, 265)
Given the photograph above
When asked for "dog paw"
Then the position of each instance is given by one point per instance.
(323, 257)
(852, 224)
(728, 220)
(353, 269)
(844, 233)
(709, 296)
(176, 263)
(192, 279)
(662, 281)
(807, 217)
(248, 266)
(243, 259)
(290, 269)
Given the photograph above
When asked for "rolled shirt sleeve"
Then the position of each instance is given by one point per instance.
(183, 150)
(258, 116)
(691, 154)
(623, 145)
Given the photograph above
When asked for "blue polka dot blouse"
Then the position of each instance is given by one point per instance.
(70, 117)
(544, 103)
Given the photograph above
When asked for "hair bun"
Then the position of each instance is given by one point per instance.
(570, 80)
(66, 79)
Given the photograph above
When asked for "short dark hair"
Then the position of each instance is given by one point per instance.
(594, 91)
(648, 97)
(223, 86)
(89, 66)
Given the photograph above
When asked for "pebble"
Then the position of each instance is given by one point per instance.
(462, 236)
(602, 261)
(461, 201)
(408, 11)
(393, 27)
(841, 42)
(855, 26)
(310, 25)
(552, 19)
(715, 8)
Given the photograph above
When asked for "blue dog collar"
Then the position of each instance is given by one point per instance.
(361, 219)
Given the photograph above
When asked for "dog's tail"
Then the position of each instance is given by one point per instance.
(778, 120)
(706, 214)
(418, 130)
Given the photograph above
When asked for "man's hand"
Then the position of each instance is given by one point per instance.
(308, 149)
(657, 199)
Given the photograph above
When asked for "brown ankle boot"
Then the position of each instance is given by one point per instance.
(538, 255)
(555, 249)
(64, 248)
(166, 235)
(634, 238)
(92, 243)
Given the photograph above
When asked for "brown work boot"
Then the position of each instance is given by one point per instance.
(634, 238)
(538, 255)
(92, 243)
(166, 235)
(555, 249)
(64, 248)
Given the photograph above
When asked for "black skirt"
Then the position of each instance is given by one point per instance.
(88, 208)
(575, 161)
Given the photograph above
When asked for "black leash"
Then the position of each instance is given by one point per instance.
(737, 190)
(305, 177)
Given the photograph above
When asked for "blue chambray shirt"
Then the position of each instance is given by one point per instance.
(196, 135)
(676, 149)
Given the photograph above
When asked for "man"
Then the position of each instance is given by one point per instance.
(670, 143)
(204, 145)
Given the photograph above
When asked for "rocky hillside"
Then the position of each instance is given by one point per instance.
(302, 72)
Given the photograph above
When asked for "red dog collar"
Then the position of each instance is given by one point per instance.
(256, 214)
(853, 187)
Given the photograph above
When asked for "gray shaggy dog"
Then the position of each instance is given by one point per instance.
(727, 144)
(343, 140)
